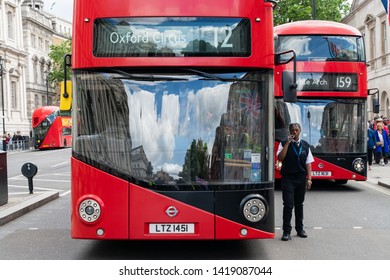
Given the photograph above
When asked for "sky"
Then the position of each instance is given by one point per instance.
(60, 8)
(64, 8)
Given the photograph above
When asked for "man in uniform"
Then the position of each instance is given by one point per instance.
(296, 158)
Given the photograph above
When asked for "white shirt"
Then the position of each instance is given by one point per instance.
(380, 137)
(309, 158)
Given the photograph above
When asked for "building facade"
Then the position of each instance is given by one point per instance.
(13, 71)
(26, 34)
(370, 17)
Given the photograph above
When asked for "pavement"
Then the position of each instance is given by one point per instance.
(22, 203)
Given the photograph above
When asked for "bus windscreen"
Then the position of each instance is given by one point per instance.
(172, 37)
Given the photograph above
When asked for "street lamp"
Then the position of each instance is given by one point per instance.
(47, 87)
(314, 9)
(2, 103)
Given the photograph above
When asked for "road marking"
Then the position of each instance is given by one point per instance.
(17, 193)
(65, 193)
(41, 153)
(320, 228)
(376, 188)
(35, 188)
(17, 177)
(62, 163)
(51, 180)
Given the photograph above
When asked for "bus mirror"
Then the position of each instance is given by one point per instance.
(66, 97)
(289, 87)
(289, 78)
(285, 57)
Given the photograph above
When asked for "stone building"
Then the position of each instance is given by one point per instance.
(13, 57)
(26, 33)
(370, 17)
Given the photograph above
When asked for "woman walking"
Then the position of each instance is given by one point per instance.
(382, 144)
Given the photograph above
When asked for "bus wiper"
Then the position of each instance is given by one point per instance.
(209, 76)
(144, 77)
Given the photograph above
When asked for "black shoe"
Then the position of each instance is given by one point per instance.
(286, 236)
(302, 234)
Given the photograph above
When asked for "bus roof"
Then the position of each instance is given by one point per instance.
(41, 113)
(87, 13)
(315, 27)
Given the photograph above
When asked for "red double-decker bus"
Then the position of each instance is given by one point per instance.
(173, 113)
(331, 80)
(51, 128)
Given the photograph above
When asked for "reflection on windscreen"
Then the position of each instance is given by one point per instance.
(330, 127)
(321, 48)
(173, 129)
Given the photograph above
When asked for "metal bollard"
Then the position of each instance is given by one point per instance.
(3, 179)
(29, 170)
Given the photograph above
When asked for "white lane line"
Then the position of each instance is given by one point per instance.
(320, 228)
(40, 153)
(17, 177)
(62, 163)
(35, 188)
(376, 188)
(65, 193)
(51, 180)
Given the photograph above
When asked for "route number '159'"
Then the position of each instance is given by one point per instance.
(343, 82)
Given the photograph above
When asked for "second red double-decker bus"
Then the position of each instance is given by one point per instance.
(173, 114)
(51, 128)
(331, 82)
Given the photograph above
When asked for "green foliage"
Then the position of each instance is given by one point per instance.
(57, 54)
(195, 163)
(295, 10)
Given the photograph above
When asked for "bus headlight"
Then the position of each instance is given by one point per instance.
(89, 210)
(358, 164)
(278, 165)
(254, 208)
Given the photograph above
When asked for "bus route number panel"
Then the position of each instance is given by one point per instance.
(171, 228)
(327, 82)
(171, 36)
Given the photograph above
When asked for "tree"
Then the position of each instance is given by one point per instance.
(195, 163)
(295, 10)
(57, 53)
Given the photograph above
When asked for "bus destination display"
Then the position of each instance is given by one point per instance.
(171, 36)
(327, 82)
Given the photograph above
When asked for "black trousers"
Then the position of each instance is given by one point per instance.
(294, 190)
(381, 155)
(370, 153)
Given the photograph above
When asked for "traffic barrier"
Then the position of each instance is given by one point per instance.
(20, 145)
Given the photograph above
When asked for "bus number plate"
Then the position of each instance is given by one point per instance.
(321, 173)
(171, 228)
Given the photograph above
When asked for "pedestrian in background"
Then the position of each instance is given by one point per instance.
(382, 144)
(371, 145)
(296, 159)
